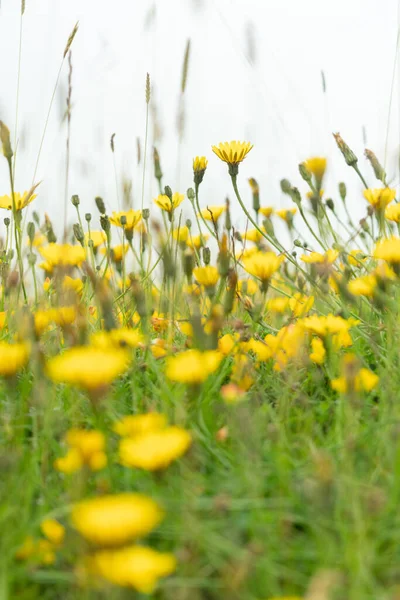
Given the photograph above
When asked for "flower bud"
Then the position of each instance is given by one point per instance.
(342, 190)
(31, 231)
(206, 255)
(75, 200)
(329, 203)
(7, 222)
(100, 205)
(379, 171)
(305, 173)
(105, 225)
(168, 192)
(5, 141)
(348, 154)
(157, 166)
(146, 214)
(286, 186)
(256, 194)
(122, 220)
(88, 217)
(188, 263)
(190, 194)
(78, 233)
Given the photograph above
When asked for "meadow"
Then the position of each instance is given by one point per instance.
(194, 412)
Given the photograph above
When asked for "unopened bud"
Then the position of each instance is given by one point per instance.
(105, 224)
(228, 222)
(296, 196)
(88, 217)
(342, 190)
(7, 222)
(75, 200)
(188, 263)
(35, 217)
(206, 255)
(305, 173)
(256, 194)
(286, 186)
(168, 192)
(376, 165)
(348, 154)
(298, 243)
(78, 233)
(157, 166)
(122, 220)
(5, 141)
(330, 204)
(146, 214)
(188, 223)
(31, 231)
(100, 205)
(190, 194)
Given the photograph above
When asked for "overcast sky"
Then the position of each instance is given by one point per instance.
(254, 74)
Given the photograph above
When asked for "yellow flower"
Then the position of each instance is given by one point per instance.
(379, 198)
(13, 357)
(98, 238)
(192, 366)
(212, 213)
(62, 316)
(181, 234)
(363, 286)
(27, 549)
(154, 450)
(252, 235)
(75, 285)
(133, 425)
(64, 255)
(318, 351)
(392, 213)
(356, 258)
(86, 367)
(353, 378)
(86, 447)
(165, 203)
(263, 265)
(20, 200)
(247, 286)
(117, 338)
(53, 531)
(200, 164)
(137, 567)
(266, 211)
(388, 250)
(207, 276)
(132, 218)
(232, 152)
(196, 241)
(115, 520)
(315, 257)
(278, 304)
(300, 304)
(227, 343)
(316, 166)
(286, 214)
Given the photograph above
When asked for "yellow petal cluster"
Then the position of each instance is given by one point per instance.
(233, 152)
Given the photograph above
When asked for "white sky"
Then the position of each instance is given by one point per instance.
(277, 103)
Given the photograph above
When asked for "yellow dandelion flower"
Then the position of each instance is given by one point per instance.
(286, 214)
(263, 265)
(133, 425)
(88, 368)
(86, 447)
(207, 276)
(212, 213)
(21, 200)
(53, 531)
(316, 258)
(300, 304)
(363, 286)
(200, 164)
(165, 203)
(247, 286)
(181, 234)
(388, 250)
(62, 255)
(252, 235)
(97, 237)
(318, 352)
(392, 213)
(192, 366)
(137, 567)
(70, 463)
(353, 378)
(154, 450)
(115, 520)
(266, 211)
(379, 198)
(317, 166)
(132, 217)
(75, 285)
(197, 241)
(13, 357)
(278, 304)
(233, 152)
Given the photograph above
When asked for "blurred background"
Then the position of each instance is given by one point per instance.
(255, 73)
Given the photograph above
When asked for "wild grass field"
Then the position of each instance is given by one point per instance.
(194, 412)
